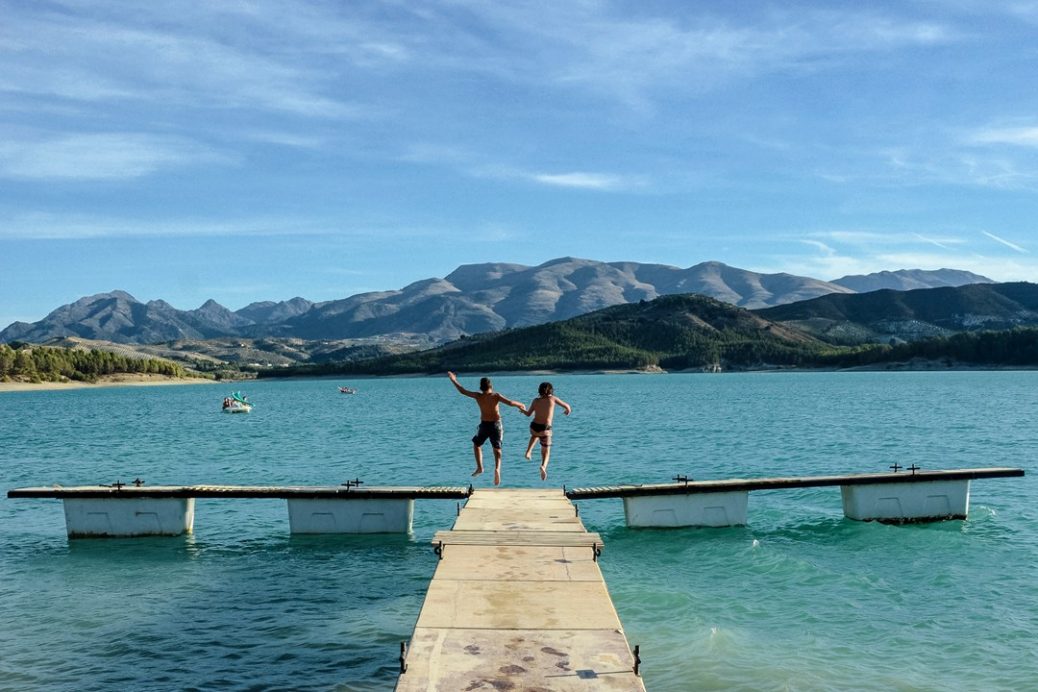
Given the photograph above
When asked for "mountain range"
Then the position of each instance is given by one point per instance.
(675, 332)
(911, 315)
(694, 332)
(473, 299)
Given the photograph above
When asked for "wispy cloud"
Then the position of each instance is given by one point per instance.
(1019, 136)
(943, 244)
(843, 252)
(338, 232)
(1008, 244)
(123, 57)
(583, 180)
(591, 45)
(825, 249)
(100, 156)
(472, 164)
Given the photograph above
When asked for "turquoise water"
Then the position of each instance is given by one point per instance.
(800, 599)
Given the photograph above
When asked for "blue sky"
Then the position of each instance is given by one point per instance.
(262, 150)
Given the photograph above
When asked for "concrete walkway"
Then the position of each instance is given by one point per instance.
(518, 603)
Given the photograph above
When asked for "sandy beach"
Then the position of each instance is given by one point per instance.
(109, 381)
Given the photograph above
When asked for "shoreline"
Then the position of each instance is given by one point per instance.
(161, 381)
(109, 381)
(901, 366)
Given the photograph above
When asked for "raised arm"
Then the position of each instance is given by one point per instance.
(565, 407)
(461, 390)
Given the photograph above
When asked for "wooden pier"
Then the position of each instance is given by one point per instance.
(518, 602)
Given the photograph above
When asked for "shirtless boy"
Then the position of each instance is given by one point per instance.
(490, 427)
(543, 410)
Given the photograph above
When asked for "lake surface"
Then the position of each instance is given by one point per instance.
(800, 599)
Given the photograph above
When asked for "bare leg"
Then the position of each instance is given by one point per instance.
(497, 466)
(529, 447)
(545, 453)
(479, 460)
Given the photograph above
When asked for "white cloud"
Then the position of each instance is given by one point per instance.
(1008, 244)
(124, 58)
(825, 249)
(942, 243)
(104, 156)
(627, 57)
(831, 267)
(1019, 136)
(582, 180)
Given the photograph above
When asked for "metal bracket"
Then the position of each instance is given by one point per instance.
(471, 489)
(682, 479)
(118, 485)
(459, 508)
(403, 658)
(913, 468)
(576, 508)
(138, 482)
(896, 467)
(595, 552)
(637, 659)
(438, 549)
(355, 483)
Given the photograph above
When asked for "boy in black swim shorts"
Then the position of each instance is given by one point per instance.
(490, 427)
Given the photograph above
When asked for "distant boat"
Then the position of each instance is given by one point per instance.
(236, 403)
(347, 390)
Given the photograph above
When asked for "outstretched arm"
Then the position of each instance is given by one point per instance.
(461, 390)
(509, 402)
(529, 409)
(565, 407)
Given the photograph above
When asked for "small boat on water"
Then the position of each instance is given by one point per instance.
(236, 403)
(347, 390)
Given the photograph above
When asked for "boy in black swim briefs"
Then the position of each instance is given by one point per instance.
(543, 410)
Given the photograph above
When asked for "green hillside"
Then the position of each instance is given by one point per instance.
(911, 315)
(672, 332)
(42, 364)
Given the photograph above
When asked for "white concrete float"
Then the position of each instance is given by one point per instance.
(106, 517)
(693, 509)
(122, 510)
(896, 497)
(907, 502)
(350, 516)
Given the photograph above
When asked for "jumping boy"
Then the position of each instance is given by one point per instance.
(490, 427)
(543, 410)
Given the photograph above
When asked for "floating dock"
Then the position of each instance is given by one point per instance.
(897, 497)
(518, 602)
(136, 509)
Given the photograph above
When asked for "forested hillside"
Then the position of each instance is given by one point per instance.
(41, 364)
(673, 332)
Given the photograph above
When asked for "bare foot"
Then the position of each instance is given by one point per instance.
(497, 477)
(544, 473)
(479, 470)
(527, 456)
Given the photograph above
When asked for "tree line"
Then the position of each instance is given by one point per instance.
(561, 347)
(1012, 347)
(45, 364)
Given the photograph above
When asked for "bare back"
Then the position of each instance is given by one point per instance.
(543, 408)
(488, 406)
